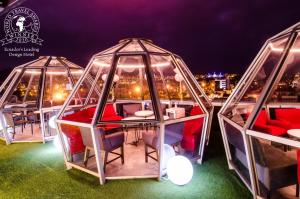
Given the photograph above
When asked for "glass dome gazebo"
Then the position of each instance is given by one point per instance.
(31, 94)
(141, 97)
(260, 120)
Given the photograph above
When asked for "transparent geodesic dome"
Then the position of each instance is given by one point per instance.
(260, 120)
(135, 86)
(32, 93)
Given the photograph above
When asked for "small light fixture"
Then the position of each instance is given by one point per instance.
(178, 77)
(116, 77)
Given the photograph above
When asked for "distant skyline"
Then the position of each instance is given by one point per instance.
(222, 36)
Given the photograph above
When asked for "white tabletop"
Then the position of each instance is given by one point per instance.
(23, 105)
(152, 117)
(48, 109)
(131, 118)
(55, 108)
(143, 118)
(294, 133)
(146, 113)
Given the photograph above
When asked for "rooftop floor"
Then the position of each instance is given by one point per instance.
(37, 171)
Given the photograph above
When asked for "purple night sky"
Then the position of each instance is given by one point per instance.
(214, 35)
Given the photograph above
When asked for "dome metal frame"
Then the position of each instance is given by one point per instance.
(239, 132)
(116, 52)
(40, 66)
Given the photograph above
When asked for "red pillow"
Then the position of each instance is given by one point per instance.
(74, 138)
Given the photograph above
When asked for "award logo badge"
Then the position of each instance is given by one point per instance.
(21, 25)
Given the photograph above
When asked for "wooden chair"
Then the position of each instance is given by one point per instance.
(109, 143)
(14, 121)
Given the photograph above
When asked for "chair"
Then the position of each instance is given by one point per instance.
(30, 118)
(275, 169)
(163, 107)
(73, 133)
(151, 141)
(174, 134)
(173, 137)
(130, 109)
(187, 133)
(14, 121)
(109, 144)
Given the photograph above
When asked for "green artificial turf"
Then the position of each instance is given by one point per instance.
(37, 171)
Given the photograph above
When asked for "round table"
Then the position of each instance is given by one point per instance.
(131, 118)
(23, 105)
(295, 133)
(146, 113)
(139, 118)
(152, 117)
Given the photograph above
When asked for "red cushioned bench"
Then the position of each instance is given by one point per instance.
(192, 131)
(85, 116)
(290, 117)
(270, 126)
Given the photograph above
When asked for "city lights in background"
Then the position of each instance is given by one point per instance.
(218, 85)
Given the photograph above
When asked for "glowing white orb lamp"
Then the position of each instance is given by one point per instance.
(179, 170)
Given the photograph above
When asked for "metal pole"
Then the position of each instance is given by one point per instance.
(42, 125)
(63, 144)
(97, 148)
(5, 133)
(42, 93)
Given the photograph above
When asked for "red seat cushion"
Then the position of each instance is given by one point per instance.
(192, 131)
(276, 130)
